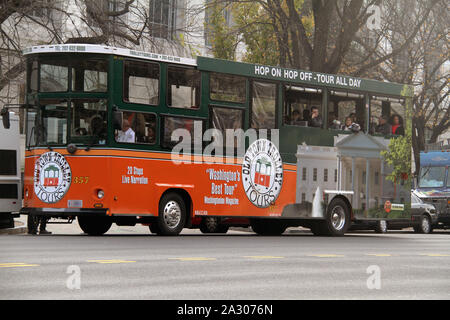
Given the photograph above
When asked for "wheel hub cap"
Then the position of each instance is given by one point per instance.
(338, 217)
(172, 214)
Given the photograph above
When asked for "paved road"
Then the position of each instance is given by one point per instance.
(129, 263)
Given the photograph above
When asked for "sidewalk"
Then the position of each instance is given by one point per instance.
(19, 227)
(74, 228)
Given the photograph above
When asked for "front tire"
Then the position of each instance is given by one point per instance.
(172, 215)
(94, 226)
(424, 226)
(268, 227)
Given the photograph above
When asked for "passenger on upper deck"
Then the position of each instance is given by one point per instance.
(333, 122)
(383, 126)
(306, 115)
(397, 125)
(295, 118)
(348, 124)
(316, 119)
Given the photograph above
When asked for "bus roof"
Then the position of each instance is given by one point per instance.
(302, 77)
(96, 48)
(292, 76)
(435, 159)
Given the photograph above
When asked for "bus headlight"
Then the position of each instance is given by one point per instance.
(100, 194)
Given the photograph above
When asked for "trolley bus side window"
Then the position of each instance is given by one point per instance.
(141, 82)
(185, 135)
(183, 88)
(223, 118)
(137, 127)
(346, 108)
(387, 116)
(224, 87)
(298, 102)
(264, 100)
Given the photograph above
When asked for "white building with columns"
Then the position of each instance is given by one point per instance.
(353, 164)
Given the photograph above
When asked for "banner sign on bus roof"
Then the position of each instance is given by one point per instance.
(92, 48)
(302, 76)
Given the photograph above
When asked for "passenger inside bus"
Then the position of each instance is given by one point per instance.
(316, 119)
(383, 126)
(348, 108)
(390, 113)
(300, 101)
(333, 122)
(126, 134)
(142, 126)
(397, 125)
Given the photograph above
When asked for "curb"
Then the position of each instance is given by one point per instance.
(16, 230)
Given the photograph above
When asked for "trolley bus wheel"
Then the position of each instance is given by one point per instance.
(268, 227)
(212, 225)
(172, 215)
(337, 220)
(94, 226)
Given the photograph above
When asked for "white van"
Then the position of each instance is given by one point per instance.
(10, 172)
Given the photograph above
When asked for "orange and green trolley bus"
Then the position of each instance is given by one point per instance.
(106, 126)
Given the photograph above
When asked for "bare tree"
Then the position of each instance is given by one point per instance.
(122, 23)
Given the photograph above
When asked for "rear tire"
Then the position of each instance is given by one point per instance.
(212, 225)
(94, 226)
(268, 227)
(172, 215)
(424, 226)
(337, 220)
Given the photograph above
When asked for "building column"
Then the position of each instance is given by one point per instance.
(353, 181)
(367, 183)
(340, 173)
(382, 182)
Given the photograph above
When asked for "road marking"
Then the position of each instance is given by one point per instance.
(326, 255)
(263, 257)
(435, 255)
(379, 254)
(16, 265)
(193, 259)
(111, 261)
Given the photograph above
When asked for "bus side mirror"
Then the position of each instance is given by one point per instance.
(117, 119)
(5, 118)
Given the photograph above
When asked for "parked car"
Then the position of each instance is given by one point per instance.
(423, 215)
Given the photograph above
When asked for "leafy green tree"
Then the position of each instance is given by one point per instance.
(223, 41)
(398, 155)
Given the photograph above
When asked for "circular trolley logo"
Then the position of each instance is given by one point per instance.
(52, 177)
(262, 173)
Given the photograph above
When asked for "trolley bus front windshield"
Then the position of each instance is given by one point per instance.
(67, 100)
(58, 122)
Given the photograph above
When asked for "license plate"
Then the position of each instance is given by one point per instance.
(75, 203)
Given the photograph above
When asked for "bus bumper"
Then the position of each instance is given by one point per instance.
(63, 212)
